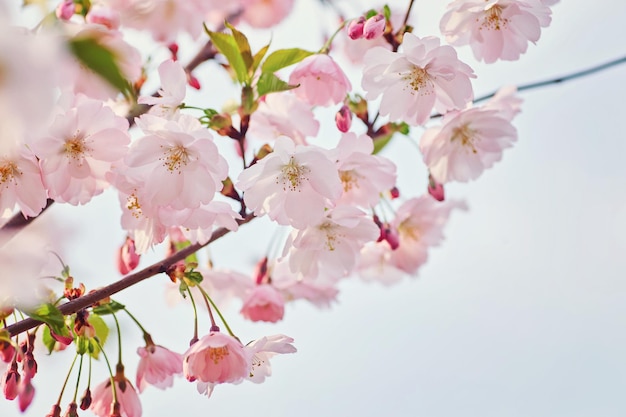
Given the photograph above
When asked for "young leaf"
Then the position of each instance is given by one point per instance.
(283, 58)
(100, 60)
(102, 333)
(228, 47)
(258, 57)
(269, 83)
(50, 315)
(382, 141)
(108, 308)
(48, 340)
(243, 45)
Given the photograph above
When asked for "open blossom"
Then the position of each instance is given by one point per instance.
(172, 91)
(363, 175)
(413, 82)
(467, 143)
(292, 185)
(262, 350)
(157, 366)
(129, 404)
(331, 247)
(20, 181)
(179, 162)
(264, 303)
(495, 29)
(283, 114)
(82, 144)
(322, 81)
(265, 13)
(215, 359)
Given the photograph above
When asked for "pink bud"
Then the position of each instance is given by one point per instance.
(374, 27)
(85, 401)
(390, 235)
(63, 340)
(193, 82)
(72, 410)
(10, 383)
(65, 10)
(127, 257)
(7, 351)
(355, 28)
(29, 366)
(55, 412)
(343, 119)
(105, 16)
(173, 47)
(435, 189)
(26, 395)
(395, 193)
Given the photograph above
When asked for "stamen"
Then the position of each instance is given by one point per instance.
(293, 175)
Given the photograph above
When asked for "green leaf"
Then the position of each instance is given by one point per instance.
(227, 45)
(284, 58)
(102, 333)
(243, 45)
(48, 340)
(258, 57)
(370, 13)
(269, 83)
(387, 12)
(108, 308)
(381, 141)
(194, 276)
(50, 315)
(100, 60)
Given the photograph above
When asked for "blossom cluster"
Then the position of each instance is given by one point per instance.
(74, 125)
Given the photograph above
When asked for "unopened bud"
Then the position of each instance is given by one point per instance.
(343, 119)
(85, 401)
(72, 410)
(55, 412)
(390, 235)
(29, 366)
(127, 257)
(193, 82)
(374, 27)
(65, 10)
(435, 189)
(355, 28)
(173, 47)
(394, 192)
(26, 395)
(11, 382)
(7, 351)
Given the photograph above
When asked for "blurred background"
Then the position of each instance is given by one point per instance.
(522, 310)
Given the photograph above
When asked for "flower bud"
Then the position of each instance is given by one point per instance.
(11, 382)
(65, 10)
(343, 119)
(26, 395)
(127, 257)
(355, 28)
(394, 192)
(435, 189)
(72, 410)
(29, 365)
(374, 27)
(85, 401)
(193, 82)
(7, 351)
(55, 412)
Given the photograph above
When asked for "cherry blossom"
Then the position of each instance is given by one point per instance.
(264, 303)
(129, 404)
(292, 185)
(363, 175)
(283, 114)
(495, 29)
(322, 82)
(20, 181)
(157, 367)
(82, 144)
(127, 257)
(172, 92)
(413, 82)
(467, 143)
(216, 358)
(265, 13)
(261, 350)
(331, 247)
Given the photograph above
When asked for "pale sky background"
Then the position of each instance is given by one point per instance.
(522, 310)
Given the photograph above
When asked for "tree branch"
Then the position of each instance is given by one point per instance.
(128, 281)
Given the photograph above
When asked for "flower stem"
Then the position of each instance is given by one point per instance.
(67, 378)
(326, 48)
(106, 359)
(136, 322)
(80, 368)
(119, 340)
(195, 317)
(219, 313)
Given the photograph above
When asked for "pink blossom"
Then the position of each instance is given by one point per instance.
(65, 9)
(103, 15)
(172, 92)
(82, 144)
(495, 29)
(413, 82)
(11, 382)
(374, 27)
(283, 114)
(321, 80)
(157, 367)
(264, 303)
(265, 13)
(331, 247)
(179, 162)
(102, 402)
(467, 143)
(320, 292)
(435, 189)
(363, 175)
(26, 394)
(215, 359)
(127, 257)
(505, 102)
(355, 28)
(419, 222)
(376, 265)
(292, 185)
(20, 181)
(262, 350)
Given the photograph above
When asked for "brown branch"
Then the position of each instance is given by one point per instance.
(17, 223)
(128, 281)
